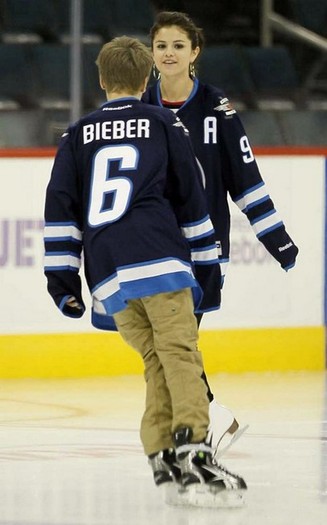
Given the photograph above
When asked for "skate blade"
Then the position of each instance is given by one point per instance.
(175, 494)
(197, 495)
(230, 441)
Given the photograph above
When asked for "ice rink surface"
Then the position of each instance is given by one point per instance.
(70, 452)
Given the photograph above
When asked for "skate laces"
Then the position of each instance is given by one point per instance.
(197, 450)
(224, 470)
(194, 447)
(233, 480)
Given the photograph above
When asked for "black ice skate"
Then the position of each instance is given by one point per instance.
(165, 467)
(203, 482)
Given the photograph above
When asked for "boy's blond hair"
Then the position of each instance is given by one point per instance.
(124, 63)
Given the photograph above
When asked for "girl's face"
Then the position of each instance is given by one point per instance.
(172, 51)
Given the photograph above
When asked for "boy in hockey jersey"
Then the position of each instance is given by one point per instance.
(126, 188)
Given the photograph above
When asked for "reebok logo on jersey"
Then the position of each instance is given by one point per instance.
(226, 107)
(283, 248)
(117, 108)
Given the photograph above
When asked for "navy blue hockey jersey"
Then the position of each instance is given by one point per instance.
(126, 193)
(222, 147)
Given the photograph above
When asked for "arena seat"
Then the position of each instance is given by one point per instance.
(223, 67)
(131, 18)
(28, 21)
(94, 96)
(17, 85)
(273, 76)
(96, 25)
(51, 62)
(311, 14)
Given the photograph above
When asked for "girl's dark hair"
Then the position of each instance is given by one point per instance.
(183, 21)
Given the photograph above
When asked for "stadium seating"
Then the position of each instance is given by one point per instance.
(28, 21)
(223, 66)
(51, 65)
(102, 20)
(131, 18)
(18, 83)
(44, 76)
(97, 20)
(311, 14)
(273, 75)
(35, 65)
(94, 96)
(312, 63)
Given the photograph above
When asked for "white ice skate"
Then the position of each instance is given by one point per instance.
(223, 430)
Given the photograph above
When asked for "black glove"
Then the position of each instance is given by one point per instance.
(280, 245)
(73, 308)
(66, 290)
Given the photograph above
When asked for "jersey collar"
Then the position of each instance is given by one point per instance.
(121, 99)
(191, 95)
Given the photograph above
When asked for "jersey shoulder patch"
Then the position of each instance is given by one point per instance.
(226, 107)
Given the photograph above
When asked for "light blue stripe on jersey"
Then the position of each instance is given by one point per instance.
(105, 321)
(207, 255)
(266, 223)
(151, 286)
(61, 261)
(57, 231)
(198, 229)
(189, 98)
(252, 197)
(134, 272)
(150, 278)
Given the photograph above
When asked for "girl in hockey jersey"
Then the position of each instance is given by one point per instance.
(126, 188)
(223, 150)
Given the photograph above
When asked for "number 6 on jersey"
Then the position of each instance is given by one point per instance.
(101, 184)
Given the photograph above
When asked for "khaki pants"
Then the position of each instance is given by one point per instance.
(163, 329)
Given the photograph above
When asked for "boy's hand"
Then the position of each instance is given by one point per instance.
(73, 308)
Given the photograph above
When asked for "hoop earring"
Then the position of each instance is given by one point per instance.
(155, 73)
(192, 71)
